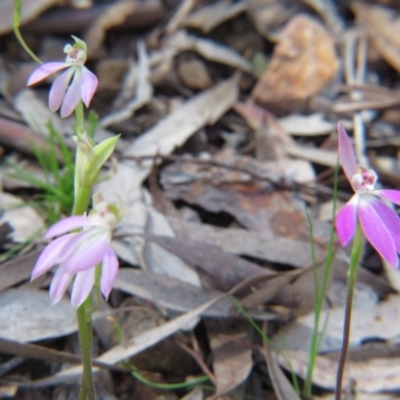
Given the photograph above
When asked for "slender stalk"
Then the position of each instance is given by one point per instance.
(319, 293)
(84, 312)
(17, 33)
(351, 281)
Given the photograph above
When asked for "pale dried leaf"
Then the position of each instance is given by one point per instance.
(27, 316)
(143, 95)
(137, 344)
(372, 376)
(260, 244)
(36, 113)
(114, 16)
(307, 125)
(282, 387)
(232, 361)
(319, 156)
(30, 10)
(171, 132)
(368, 322)
(212, 51)
(209, 17)
(169, 293)
(24, 220)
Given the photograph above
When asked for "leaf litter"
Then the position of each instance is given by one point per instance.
(219, 162)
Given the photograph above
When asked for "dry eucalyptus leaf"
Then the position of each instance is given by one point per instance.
(210, 16)
(27, 316)
(36, 113)
(114, 15)
(143, 92)
(368, 376)
(232, 360)
(380, 24)
(194, 74)
(171, 132)
(24, 220)
(262, 244)
(137, 344)
(210, 50)
(217, 269)
(30, 10)
(307, 125)
(369, 321)
(169, 293)
(282, 387)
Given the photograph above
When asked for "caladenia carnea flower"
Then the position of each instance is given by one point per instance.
(76, 83)
(379, 222)
(80, 253)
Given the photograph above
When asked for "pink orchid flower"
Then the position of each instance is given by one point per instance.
(379, 222)
(77, 254)
(63, 92)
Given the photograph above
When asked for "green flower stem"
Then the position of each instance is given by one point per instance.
(82, 199)
(84, 315)
(351, 282)
(84, 312)
(79, 119)
(16, 23)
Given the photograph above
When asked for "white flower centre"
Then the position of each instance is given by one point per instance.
(364, 180)
(74, 56)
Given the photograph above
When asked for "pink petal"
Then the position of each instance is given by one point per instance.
(375, 230)
(88, 86)
(50, 256)
(346, 153)
(46, 70)
(108, 272)
(390, 194)
(87, 255)
(59, 88)
(73, 95)
(59, 284)
(346, 221)
(391, 220)
(66, 225)
(83, 285)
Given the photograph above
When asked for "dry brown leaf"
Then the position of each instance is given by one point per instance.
(209, 49)
(282, 387)
(218, 270)
(17, 269)
(171, 132)
(262, 244)
(137, 344)
(368, 322)
(194, 74)
(372, 376)
(232, 360)
(169, 293)
(143, 92)
(27, 315)
(209, 17)
(299, 68)
(307, 125)
(114, 15)
(30, 10)
(24, 219)
(269, 16)
(380, 25)
(183, 10)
